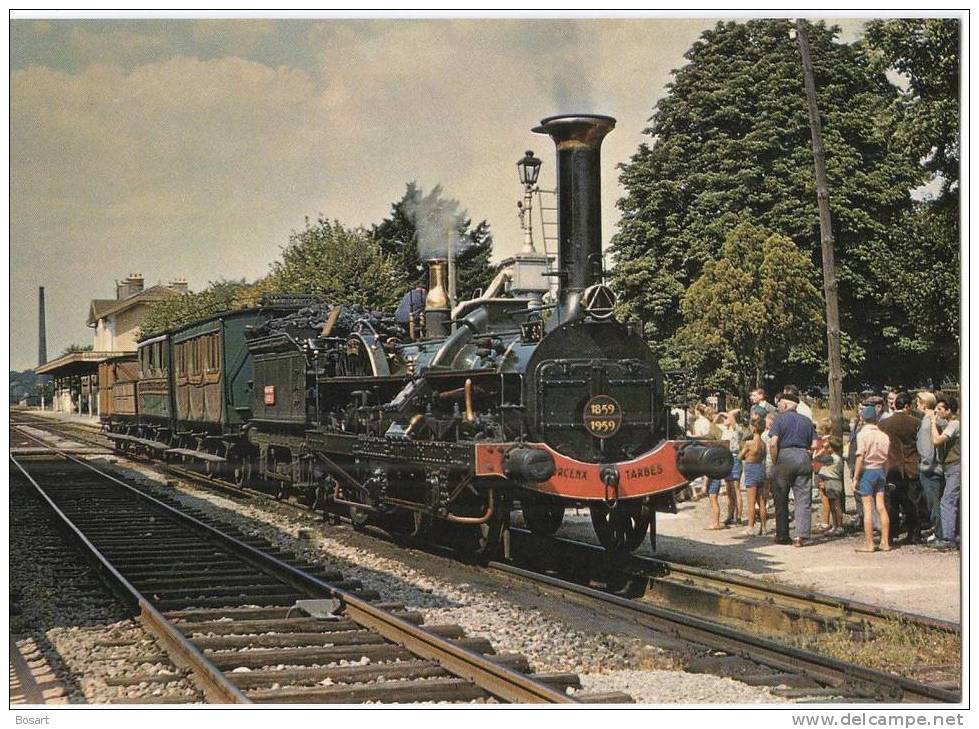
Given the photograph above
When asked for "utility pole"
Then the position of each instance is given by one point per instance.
(830, 289)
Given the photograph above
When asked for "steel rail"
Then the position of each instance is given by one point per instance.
(858, 679)
(216, 686)
(498, 680)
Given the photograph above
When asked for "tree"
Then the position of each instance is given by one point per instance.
(337, 265)
(473, 269)
(730, 141)
(72, 348)
(397, 237)
(422, 226)
(216, 297)
(925, 51)
(755, 305)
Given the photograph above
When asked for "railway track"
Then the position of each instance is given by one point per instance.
(258, 627)
(661, 596)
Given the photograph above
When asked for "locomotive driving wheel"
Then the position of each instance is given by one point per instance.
(623, 527)
(542, 514)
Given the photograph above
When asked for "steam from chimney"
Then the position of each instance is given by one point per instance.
(437, 222)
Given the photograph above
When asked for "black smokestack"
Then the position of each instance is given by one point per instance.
(42, 334)
(578, 138)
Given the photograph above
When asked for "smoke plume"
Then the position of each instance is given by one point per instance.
(438, 221)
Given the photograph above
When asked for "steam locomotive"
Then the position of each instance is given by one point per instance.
(499, 400)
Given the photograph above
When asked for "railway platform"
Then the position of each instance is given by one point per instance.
(89, 421)
(914, 579)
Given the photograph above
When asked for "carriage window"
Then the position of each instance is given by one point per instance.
(213, 353)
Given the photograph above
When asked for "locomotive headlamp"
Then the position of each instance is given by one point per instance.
(528, 167)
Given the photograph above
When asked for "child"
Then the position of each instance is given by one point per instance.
(731, 432)
(766, 438)
(753, 454)
(823, 429)
(830, 479)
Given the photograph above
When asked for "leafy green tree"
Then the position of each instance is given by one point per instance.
(927, 288)
(731, 141)
(336, 264)
(754, 306)
(473, 268)
(397, 237)
(925, 51)
(421, 225)
(216, 297)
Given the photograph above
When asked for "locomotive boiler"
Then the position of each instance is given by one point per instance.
(473, 409)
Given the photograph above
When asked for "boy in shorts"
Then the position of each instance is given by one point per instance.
(753, 457)
(870, 475)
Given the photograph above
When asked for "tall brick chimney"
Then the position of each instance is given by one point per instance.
(42, 333)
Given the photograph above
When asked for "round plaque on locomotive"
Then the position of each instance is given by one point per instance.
(602, 416)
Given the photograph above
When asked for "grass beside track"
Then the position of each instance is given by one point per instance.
(896, 646)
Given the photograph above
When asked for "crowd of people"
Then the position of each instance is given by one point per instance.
(901, 460)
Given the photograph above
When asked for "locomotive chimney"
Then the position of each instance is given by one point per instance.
(578, 138)
(437, 312)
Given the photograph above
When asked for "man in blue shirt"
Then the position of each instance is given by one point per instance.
(411, 306)
(792, 439)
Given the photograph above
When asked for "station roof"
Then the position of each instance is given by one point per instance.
(101, 308)
(77, 363)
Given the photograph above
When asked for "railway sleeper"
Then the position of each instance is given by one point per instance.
(241, 590)
(190, 615)
(285, 625)
(250, 577)
(389, 692)
(345, 674)
(355, 636)
(261, 658)
(789, 680)
(280, 600)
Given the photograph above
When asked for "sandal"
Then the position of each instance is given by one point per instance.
(714, 528)
(886, 549)
(798, 542)
(864, 549)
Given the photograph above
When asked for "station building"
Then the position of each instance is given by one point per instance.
(115, 324)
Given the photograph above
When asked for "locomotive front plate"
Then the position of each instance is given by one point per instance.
(602, 416)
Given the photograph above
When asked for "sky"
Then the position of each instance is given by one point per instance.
(192, 148)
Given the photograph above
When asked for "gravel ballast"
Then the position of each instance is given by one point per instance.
(80, 628)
